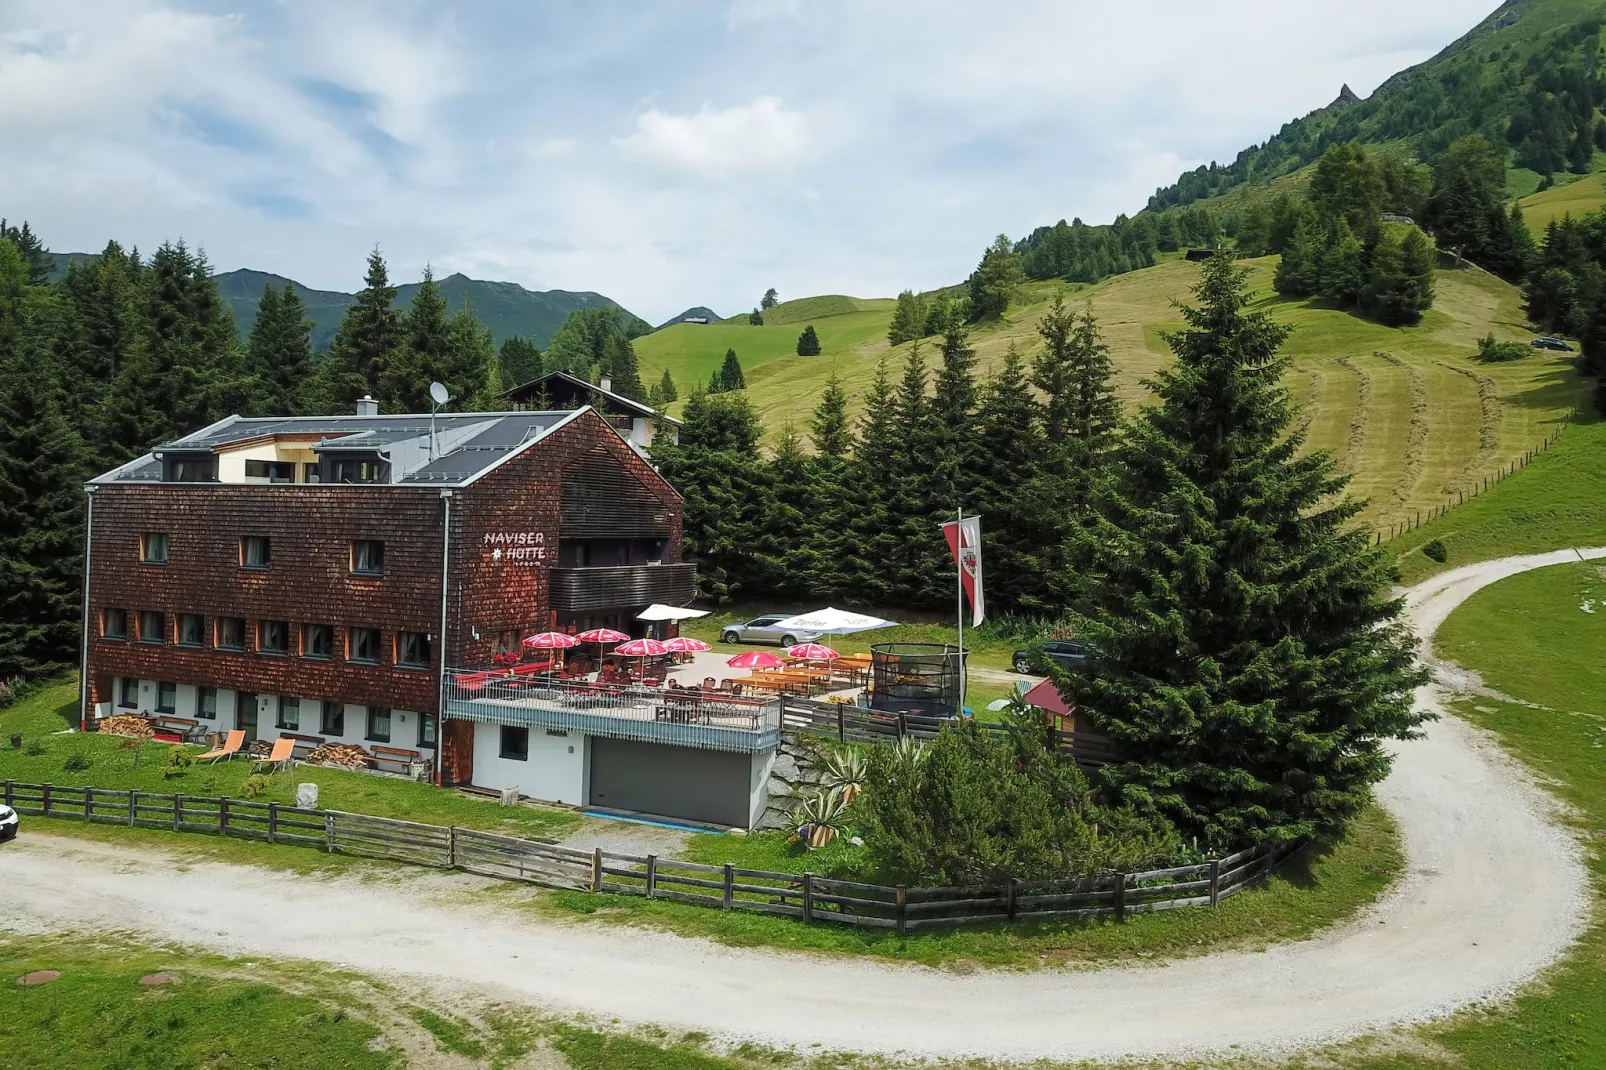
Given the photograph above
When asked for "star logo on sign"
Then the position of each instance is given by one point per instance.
(496, 555)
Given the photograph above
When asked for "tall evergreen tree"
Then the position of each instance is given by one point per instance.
(996, 279)
(1012, 454)
(953, 458)
(940, 312)
(473, 371)
(788, 540)
(521, 361)
(666, 389)
(39, 262)
(1249, 660)
(368, 342)
(624, 371)
(771, 299)
(279, 353)
(829, 429)
(914, 501)
(837, 565)
(424, 355)
(871, 487)
(808, 343)
(1400, 287)
(730, 373)
(1299, 273)
(908, 319)
(105, 296)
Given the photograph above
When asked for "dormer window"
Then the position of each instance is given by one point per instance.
(190, 468)
(271, 471)
(358, 470)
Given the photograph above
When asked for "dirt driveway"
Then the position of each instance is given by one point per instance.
(1494, 892)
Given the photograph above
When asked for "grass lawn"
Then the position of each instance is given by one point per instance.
(1556, 502)
(112, 764)
(1313, 892)
(1528, 638)
(98, 1015)
(1577, 198)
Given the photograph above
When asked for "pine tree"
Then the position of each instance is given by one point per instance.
(834, 513)
(1400, 287)
(521, 361)
(954, 450)
(871, 488)
(996, 279)
(1250, 663)
(771, 299)
(730, 373)
(424, 355)
(755, 318)
(916, 503)
(279, 353)
(473, 373)
(908, 319)
(624, 370)
(1299, 273)
(39, 262)
(1343, 264)
(666, 390)
(940, 312)
(787, 537)
(41, 498)
(715, 384)
(1012, 455)
(808, 343)
(829, 429)
(368, 342)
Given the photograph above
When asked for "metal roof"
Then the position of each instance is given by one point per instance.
(637, 407)
(465, 447)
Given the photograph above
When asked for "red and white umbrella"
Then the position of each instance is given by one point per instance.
(755, 659)
(602, 635)
(685, 644)
(551, 641)
(812, 652)
(641, 648)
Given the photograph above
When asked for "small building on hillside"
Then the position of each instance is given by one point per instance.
(637, 421)
(1197, 255)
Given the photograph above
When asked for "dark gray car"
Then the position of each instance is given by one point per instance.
(763, 630)
(1068, 653)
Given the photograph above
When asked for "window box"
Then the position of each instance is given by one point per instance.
(412, 650)
(152, 626)
(378, 724)
(332, 721)
(273, 637)
(191, 629)
(362, 645)
(368, 557)
(206, 703)
(153, 548)
(515, 743)
(256, 551)
(230, 633)
(317, 641)
(166, 697)
(289, 714)
(114, 624)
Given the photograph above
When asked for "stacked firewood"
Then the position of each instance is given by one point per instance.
(124, 724)
(342, 754)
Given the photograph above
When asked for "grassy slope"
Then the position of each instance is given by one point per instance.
(1528, 638)
(1577, 199)
(1556, 502)
(1475, 418)
(112, 766)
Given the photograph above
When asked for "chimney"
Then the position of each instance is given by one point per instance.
(367, 406)
(606, 383)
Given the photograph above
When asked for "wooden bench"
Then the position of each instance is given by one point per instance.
(311, 743)
(395, 755)
(187, 727)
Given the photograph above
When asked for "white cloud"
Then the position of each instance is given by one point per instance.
(555, 146)
(763, 136)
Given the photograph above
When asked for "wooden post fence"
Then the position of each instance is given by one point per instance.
(596, 869)
(1215, 882)
(728, 894)
(1120, 897)
(808, 897)
(652, 876)
(903, 909)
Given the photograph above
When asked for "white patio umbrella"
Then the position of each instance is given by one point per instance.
(831, 621)
(658, 611)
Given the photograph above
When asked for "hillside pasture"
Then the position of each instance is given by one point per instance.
(1577, 199)
(1411, 413)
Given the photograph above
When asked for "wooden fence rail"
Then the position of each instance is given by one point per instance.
(807, 896)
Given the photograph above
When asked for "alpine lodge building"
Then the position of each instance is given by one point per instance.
(370, 580)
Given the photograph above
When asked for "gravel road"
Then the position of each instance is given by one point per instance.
(1494, 892)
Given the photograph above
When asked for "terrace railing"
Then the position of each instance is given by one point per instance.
(809, 897)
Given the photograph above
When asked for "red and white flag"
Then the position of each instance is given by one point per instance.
(964, 542)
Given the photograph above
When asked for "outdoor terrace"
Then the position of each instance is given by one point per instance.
(686, 717)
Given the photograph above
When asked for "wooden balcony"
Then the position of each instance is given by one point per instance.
(577, 590)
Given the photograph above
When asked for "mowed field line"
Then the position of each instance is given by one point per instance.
(1456, 419)
(1387, 436)
(1331, 415)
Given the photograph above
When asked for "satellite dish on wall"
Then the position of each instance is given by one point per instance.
(438, 392)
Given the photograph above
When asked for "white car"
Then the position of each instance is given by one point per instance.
(8, 824)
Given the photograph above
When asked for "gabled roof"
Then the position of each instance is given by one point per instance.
(466, 445)
(533, 387)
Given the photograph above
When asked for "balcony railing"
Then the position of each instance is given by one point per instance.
(579, 589)
(652, 715)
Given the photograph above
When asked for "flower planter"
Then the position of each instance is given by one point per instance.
(16, 741)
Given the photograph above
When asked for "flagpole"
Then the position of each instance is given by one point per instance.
(959, 583)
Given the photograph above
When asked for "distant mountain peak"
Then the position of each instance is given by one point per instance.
(1346, 97)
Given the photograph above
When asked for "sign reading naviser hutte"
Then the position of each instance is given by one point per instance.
(515, 547)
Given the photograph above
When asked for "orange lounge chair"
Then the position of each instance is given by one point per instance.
(283, 749)
(231, 746)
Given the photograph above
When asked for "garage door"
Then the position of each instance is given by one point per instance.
(681, 782)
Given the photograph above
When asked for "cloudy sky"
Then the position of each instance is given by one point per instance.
(665, 153)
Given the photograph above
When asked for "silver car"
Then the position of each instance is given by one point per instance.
(763, 630)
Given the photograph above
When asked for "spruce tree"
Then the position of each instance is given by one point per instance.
(996, 279)
(954, 450)
(1299, 273)
(473, 374)
(872, 490)
(915, 499)
(39, 262)
(787, 536)
(424, 355)
(624, 370)
(939, 313)
(715, 384)
(368, 342)
(808, 343)
(279, 353)
(1343, 264)
(1400, 287)
(771, 299)
(521, 361)
(730, 373)
(838, 568)
(908, 319)
(1249, 663)
(666, 389)
(1015, 520)
(829, 429)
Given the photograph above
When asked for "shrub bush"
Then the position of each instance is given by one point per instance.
(968, 809)
(1492, 352)
(35, 747)
(76, 761)
(254, 785)
(1436, 551)
(179, 760)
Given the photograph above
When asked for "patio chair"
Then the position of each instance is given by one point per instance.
(231, 747)
(279, 758)
(710, 684)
